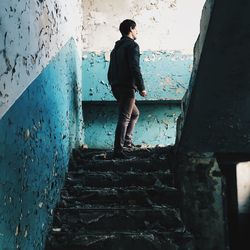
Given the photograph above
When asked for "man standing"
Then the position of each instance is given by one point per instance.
(125, 78)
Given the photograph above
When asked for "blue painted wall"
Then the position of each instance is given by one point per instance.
(36, 138)
(166, 76)
(156, 125)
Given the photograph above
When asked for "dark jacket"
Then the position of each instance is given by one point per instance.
(124, 67)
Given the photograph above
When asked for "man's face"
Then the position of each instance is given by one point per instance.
(134, 32)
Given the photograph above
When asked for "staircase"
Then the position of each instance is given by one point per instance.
(119, 204)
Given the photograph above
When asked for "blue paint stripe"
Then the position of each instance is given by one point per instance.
(166, 75)
(36, 137)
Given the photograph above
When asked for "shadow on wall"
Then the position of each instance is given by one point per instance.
(36, 138)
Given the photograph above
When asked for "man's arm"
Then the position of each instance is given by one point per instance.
(134, 64)
(109, 73)
(110, 68)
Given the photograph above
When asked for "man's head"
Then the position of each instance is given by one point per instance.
(128, 28)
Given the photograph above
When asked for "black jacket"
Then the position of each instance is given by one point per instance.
(124, 67)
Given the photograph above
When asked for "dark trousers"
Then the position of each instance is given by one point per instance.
(127, 117)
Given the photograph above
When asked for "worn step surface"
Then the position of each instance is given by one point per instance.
(77, 195)
(127, 240)
(118, 179)
(119, 218)
(147, 160)
(119, 204)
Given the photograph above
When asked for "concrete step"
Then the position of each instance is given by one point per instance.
(139, 165)
(124, 240)
(161, 218)
(109, 204)
(143, 153)
(101, 160)
(118, 179)
(77, 195)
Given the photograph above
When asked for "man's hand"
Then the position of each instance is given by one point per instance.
(143, 93)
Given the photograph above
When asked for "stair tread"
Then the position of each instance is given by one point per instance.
(122, 179)
(131, 188)
(120, 161)
(115, 218)
(118, 190)
(82, 172)
(120, 165)
(71, 196)
(91, 153)
(117, 207)
(98, 159)
(98, 233)
(113, 240)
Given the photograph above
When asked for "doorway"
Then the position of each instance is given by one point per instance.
(236, 171)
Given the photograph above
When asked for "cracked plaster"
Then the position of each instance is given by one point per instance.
(162, 24)
(32, 33)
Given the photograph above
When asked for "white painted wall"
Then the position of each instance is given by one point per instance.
(31, 33)
(162, 24)
(243, 187)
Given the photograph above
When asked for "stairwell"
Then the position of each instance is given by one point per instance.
(119, 204)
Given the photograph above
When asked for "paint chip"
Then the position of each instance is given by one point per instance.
(107, 56)
(17, 229)
(27, 134)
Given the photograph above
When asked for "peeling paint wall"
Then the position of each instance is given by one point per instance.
(162, 24)
(40, 113)
(36, 137)
(156, 126)
(31, 34)
(166, 76)
(168, 30)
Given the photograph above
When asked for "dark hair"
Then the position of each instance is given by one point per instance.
(126, 25)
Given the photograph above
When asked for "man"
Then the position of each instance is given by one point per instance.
(125, 78)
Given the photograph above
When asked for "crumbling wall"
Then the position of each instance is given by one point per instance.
(201, 183)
